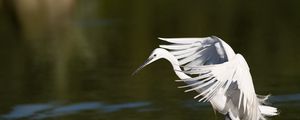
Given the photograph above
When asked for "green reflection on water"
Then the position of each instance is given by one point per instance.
(86, 50)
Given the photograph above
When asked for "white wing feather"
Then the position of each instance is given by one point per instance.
(225, 74)
(217, 68)
(196, 51)
(183, 40)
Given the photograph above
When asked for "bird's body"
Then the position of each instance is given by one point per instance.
(210, 67)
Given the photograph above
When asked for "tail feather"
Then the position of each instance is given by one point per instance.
(268, 111)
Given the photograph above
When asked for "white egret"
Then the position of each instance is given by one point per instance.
(210, 67)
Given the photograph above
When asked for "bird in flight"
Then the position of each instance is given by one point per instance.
(220, 76)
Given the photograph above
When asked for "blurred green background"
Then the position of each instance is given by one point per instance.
(73, 59)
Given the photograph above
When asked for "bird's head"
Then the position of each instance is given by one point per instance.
(157, 54)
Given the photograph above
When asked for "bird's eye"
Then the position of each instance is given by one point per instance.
(154, 55)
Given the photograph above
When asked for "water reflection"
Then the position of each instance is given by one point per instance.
(285, 98)
(55, 109)
(24, 111)
(48, 110)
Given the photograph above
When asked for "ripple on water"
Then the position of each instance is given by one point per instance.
(54, 109)
(47, 110)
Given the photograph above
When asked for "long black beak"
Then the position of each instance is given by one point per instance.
(142, 66)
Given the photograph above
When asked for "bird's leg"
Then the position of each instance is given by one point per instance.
(227, 117)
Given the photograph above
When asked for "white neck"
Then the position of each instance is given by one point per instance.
(175, 64)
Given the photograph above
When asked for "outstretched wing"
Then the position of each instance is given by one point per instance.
(196, 51)
(215, 67)
(212, 78)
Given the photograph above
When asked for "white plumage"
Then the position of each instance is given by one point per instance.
(222, 77)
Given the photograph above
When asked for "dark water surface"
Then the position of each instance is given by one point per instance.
(73, 59)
